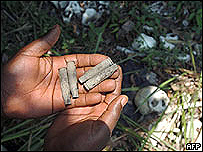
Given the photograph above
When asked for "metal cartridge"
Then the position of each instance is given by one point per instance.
(95, 70)
(72, 78)
(101, 76)
(64, 85)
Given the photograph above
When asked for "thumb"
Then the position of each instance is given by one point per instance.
(40, 46)
(112, 114)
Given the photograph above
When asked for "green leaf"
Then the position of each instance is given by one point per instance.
(92, 26)
(22, 133)
(169, 81)
(115, 30)
(191, 16)
(64, 46)
(98, 42)
(17, 126)
(113, 25)
(178, 7)
(72, 41)
(157, 21)
(56, 53)
(199, 18)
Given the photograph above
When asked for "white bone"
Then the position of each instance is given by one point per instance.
(143, 41)
(89, 16)
(151, 99)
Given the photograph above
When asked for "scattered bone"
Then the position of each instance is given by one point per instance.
(87, 11)
(185, 58)
(90, 15)
(143, 42)
(148, 28)
(169, 36)
(125, 50)
(130, 51)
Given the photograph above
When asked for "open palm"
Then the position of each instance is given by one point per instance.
(30, 87)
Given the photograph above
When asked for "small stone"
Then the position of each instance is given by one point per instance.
(128, 26)
(187, 84)
(152, 78)
(148, 28)
(175, 87)
(185, 58)
(185, 23)
(176, 130)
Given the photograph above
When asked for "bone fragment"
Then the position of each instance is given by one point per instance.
(72, 78)
(95, 70)
(101, 76)
(64, 85)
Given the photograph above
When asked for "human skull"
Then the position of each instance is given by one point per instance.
(151, 99)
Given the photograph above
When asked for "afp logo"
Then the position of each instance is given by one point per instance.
(193, 146)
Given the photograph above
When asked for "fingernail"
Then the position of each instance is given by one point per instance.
(124, 101)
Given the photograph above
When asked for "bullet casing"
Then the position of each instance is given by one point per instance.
(72, 78)
(101, 76)
(95, 70)
(64, 85)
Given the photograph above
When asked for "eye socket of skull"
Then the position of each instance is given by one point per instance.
(163, 103)
(154, 103)
(74, 5)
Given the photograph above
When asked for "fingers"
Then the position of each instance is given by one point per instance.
(111, 96)
(40, 46)
(83, 63)
(112, 113)
(84, 60)
(105, 86)
(81, 71)
(112, 86)
(86, 100)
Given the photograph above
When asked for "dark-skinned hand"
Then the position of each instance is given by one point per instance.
(30, 88)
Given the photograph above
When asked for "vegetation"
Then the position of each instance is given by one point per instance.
(24, 21)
